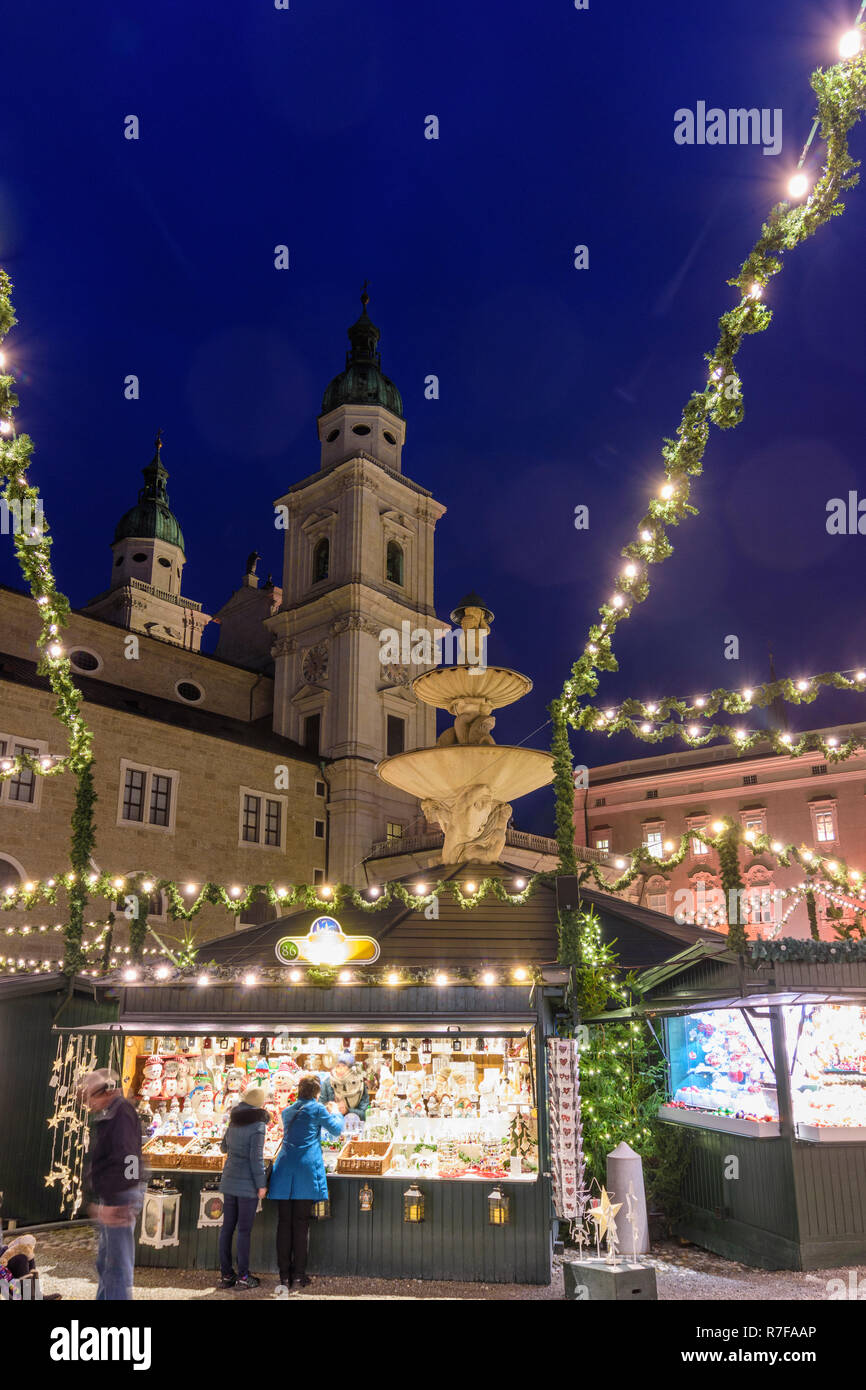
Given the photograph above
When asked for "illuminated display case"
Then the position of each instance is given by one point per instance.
(722, 1074)
(827, 1047)
(445, 1107)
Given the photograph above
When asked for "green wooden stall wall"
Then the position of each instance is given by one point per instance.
(27, 1047)
(455, 1240)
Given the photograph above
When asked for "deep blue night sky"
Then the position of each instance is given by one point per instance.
(306, 127)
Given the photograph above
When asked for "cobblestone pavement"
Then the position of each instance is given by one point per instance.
(66, 1263)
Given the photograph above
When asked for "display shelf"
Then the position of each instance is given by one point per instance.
(831, 1134)
(728, 1124)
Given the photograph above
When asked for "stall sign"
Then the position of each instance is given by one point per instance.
(326, 944)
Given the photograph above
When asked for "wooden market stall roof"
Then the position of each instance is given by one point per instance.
(494, 933)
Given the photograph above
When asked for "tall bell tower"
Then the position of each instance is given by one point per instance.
(358, 564)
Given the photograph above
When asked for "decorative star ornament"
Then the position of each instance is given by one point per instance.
(604, 1212)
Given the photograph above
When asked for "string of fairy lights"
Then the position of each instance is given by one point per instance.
(673, 715)
(841, 93)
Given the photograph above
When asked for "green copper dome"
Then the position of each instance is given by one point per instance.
(363, 382)
(151, 518)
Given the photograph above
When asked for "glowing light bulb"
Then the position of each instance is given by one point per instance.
(718, 827)
(45, 764)
(798, 184)
(118, 882)
(619, 863)
(608, 714)
(739, 734)
(646, 535)
(831, 742)
(850, 44)
(147, 885)
(374, 892)
(345, 977)
(325, 890)
(617, 600)
(190, 888)
(808, 856)
(785, 738)
(755, 292)
(694, 731)
(832, 866)
(750, 836)
(294, 976)
(202, 981)
(488, 978)
(667, 490)
(520, 973)
(55, 650)
(281, 892)
(130, 975)
(5, 426)
(470, 888)
(669, 844)
(747, 693)
(163, 972)
(591, 648)
(236, 892)
(630, 571)
(249, 979)
(420, 889)
(520, 883)
(646, 728)
(802, 685)
(651, 709)
(394, 978)
(441, 979)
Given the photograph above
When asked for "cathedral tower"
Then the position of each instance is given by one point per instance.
(144, 594)
(358, 563)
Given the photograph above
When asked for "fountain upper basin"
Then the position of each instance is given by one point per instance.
(495, 685)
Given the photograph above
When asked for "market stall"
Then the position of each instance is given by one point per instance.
(767, 1069)
(440, 1170)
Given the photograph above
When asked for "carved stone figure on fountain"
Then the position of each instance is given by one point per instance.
(474, 823)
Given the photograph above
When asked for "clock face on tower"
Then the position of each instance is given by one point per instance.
(314, 664)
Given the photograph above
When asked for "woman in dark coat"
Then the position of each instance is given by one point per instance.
(242, 1183)
(298, 1178)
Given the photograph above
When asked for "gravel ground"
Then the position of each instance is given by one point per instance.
(683, 1273)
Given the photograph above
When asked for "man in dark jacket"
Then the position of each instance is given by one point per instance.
(114, 1177)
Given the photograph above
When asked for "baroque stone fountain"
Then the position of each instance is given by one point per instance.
(467, 782)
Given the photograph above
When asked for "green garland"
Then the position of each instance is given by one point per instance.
(841, 93)
(652, 722)
(728, 849)
(808, 952)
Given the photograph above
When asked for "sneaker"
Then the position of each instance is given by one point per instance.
(228, 1281)
(248, 1281)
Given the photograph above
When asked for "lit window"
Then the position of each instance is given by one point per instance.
(825, 826)
(147, 796)
(603, 843)
(393, 830)
(653, 842)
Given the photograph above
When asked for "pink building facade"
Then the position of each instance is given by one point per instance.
(655, 800)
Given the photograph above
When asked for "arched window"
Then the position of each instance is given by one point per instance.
(11, 875)
(394, 563)
(657, 893)
(321, 560)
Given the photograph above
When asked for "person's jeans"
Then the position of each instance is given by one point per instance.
(237, 1212)
(115, 1259)
(293, 1225)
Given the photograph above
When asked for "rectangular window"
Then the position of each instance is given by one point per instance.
(603, 844)
(313, 732)
(600, 801)
(319, 829)
(393, 830)
(653, 841)
(754, 823)
(133, 794)
(273, 822)
(22, 787)
(320, 788)
(318, 875)
(251, 812)
(819, 770)
(653, 795)
(698, 846)
(160, 799)
(825, 826)
(396, 735)
(657, 901)
(750, 780)
(147, 796)
(261, 819)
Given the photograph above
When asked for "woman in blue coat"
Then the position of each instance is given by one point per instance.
(242, 1183)
(298, 1178)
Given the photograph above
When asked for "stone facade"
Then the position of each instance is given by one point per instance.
(800, 801)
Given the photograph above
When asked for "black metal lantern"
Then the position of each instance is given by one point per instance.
(457, 1045)
(413, 1204)
(320, 1211)
(498, 1208)
(384, 1044)
(480, 1044)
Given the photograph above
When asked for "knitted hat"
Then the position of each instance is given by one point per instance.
(255, 1096)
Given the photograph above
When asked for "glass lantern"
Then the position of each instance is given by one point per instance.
(498, 1208)
(413, 1204)
(320, 1211)
(160, 1215)
(365, 1197)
